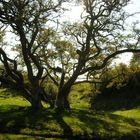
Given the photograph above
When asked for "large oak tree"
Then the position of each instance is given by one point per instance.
(97, 39)
(26, 18)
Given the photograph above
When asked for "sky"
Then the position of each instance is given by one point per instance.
(74, 15)
(133, 7)
(75, 12)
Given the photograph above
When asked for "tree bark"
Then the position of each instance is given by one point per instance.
(36, 103)
(62, 101)
(36, 94)
(32, 95)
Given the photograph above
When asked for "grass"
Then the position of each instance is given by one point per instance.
(132, 113)
(17, 121)
(80, 95)
(17, 137)
(74, 123)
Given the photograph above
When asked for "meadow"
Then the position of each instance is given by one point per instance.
(19, 122)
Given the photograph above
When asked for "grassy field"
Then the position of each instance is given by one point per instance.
(18, 122)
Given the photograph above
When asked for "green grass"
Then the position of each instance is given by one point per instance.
(14, 101)
(74, 123)
(17, 121)
(80, 95)
(132, 113)
(18, 137)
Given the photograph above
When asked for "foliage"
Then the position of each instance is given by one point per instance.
(1, 35)
(88, 46)
(118, 77)
(97, 39)
(27, 20)
(50, 94)
(119, 87)
(135, 59)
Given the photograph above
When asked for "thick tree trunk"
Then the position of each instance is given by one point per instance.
(36, 94)
(62, 101)
(36, 103)
(33, 95)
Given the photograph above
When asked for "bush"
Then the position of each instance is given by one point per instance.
(120, 85)
(49, 94)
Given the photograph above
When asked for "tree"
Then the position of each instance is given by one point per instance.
(96, 40)
(99, 38)
(26, 18)
(135, 57)
(135, 60)
(59, 62)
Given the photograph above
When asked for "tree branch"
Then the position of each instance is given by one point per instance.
(105, 61)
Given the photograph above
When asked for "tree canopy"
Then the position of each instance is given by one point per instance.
(72, 50)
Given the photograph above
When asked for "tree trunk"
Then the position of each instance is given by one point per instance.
(62, 101)
(36, 100)
(36, 103)
(32, 96)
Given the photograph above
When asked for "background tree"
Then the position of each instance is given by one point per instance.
(135, 60)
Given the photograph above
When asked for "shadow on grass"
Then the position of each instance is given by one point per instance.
(48, 123)
(113, 103)
(11, 119)
(44, 123)
(67, 131)
(107, 125)
(19, 137)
